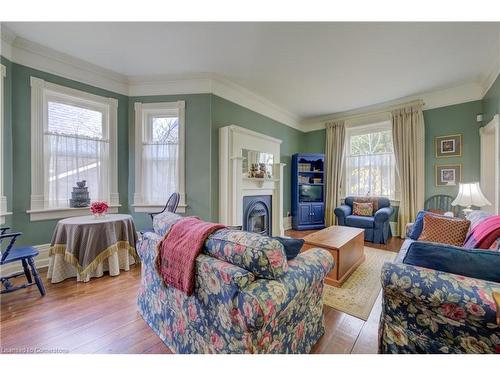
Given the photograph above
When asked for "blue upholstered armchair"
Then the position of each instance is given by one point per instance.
(377, 228)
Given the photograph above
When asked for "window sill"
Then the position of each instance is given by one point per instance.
(61, 212)
(152, 208)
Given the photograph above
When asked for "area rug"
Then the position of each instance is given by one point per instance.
(359, 292)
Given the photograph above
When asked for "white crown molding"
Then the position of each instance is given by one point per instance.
(36, 56)
(487, 80)
(462, 93)
(246, 98)
(207, 83)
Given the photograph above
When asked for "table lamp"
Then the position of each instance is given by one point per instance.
(470, 194)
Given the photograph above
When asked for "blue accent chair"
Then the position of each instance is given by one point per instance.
(377, 228)
(26, 256)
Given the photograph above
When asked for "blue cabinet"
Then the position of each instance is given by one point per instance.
(308, 193)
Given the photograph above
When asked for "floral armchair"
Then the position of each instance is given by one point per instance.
(248, 298)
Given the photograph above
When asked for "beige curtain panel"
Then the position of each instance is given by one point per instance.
(334, 160)
(408, 134)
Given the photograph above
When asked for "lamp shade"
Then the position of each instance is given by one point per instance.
(470, 194)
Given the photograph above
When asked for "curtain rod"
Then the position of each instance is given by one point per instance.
(376, 112)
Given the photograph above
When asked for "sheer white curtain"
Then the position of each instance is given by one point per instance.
(373, 175)
(370, 162)
(159, 168)
(160, 157)
(71, 159)
(75, 149)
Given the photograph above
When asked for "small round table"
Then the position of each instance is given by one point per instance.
(87, 246)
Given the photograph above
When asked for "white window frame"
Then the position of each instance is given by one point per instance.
(40, 92)
(354, 130)
(3, 199)
(142, 112)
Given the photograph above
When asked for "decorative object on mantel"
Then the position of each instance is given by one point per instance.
(99, 209)
(448, 174)
(448, 146)
(80, 195)
(470, 194)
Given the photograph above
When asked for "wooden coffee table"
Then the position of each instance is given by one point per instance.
(346, 245)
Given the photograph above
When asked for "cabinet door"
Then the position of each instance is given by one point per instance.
(304, 213)
(318, 213)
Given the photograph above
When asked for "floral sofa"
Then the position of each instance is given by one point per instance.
(429, 311)
(248, 298)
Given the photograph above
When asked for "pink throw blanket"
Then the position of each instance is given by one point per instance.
(178, 250)
(484, 234)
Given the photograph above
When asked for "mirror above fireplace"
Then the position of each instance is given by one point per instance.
(255, 159)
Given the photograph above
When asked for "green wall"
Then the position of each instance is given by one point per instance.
(205, 114)
(226, 113)
(453, 119)
(7, 137)
(198, 120)
(40, 232)
(314, 142)
(491, 101)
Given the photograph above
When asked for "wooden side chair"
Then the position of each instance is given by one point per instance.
(441, 203)
(171, 206)
(26, 256)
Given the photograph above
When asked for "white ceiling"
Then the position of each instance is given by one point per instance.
(309, 69)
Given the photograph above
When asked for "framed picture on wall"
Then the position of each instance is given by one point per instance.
(448, 175)
(448, 146)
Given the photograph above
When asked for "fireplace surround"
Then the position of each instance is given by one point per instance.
(234, 184)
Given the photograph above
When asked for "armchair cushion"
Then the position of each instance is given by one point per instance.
(479, 264)
(261, 255)
(360, 221)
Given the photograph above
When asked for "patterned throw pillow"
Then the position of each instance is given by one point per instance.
(372, 200)
(442, 229)
(362, 209)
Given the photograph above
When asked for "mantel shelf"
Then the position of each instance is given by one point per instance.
(260, 181)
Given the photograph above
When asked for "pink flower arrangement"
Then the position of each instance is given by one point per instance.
(99, 208)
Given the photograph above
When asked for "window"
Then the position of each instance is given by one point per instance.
(159, 155)
(73, 139)
(370, 165)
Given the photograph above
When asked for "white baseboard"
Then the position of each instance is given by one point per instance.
(287, 222)
(42, 260)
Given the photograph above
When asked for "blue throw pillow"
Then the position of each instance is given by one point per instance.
(292, 246)
(479, 264)
(418, 225)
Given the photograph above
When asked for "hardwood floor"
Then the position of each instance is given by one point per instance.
(101, 317)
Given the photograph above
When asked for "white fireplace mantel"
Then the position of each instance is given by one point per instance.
(234, 185)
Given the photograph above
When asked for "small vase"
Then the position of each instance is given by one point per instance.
(99, 215)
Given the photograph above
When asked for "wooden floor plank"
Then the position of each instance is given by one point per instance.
(101, 317)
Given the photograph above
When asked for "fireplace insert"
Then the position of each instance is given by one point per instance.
(257, 214)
